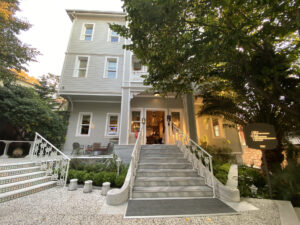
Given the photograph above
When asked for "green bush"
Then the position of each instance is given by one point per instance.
(119, 180)
(249, 176)
(221, 171)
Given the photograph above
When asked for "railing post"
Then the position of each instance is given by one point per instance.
(7, 143)
(212, 176)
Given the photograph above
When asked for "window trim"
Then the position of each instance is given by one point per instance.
(106, 64)
(109, 35)
(141, 116)
(82, 35)
(77, 63)
(80, 115)
(107, 123)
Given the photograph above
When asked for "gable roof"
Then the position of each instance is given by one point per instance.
(72, 13)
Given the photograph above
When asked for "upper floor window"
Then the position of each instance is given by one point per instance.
(113, 36)
(81, 66)
(84, 124)
(87, 32)
(112, 124)
(111, 68)
(216, 127)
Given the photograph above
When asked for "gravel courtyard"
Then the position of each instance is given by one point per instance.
(59, 206)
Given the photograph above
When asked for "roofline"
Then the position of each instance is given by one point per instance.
(72, 13)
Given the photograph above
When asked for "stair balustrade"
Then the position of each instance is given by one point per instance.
(135, 158)
(201, 160)
(53, 161)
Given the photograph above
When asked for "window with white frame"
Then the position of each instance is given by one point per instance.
(87, 32)
(81, 66)
(112, 124)
(84, 124)
(216, 127)
(111, 68)
(113, 36)
(135, 121)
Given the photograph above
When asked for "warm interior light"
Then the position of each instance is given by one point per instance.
(156, 94)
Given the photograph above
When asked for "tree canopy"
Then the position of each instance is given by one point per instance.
(253, 44)
(13, 53)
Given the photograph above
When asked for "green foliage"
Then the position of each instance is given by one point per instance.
(249, 176)
(13, 53)
(221, 171)
(24, 111)
(252, 44)
(220, 155)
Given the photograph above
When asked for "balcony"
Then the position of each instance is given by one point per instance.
(136, 76)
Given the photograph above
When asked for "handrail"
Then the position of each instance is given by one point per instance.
(56, 165)
(201, 163)
(135, 158)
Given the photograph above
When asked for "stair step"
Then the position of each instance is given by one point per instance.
(23, 184)
(165, 192)
(164, 166)
(166, 173)
(16, 178)
(11, 166)
(162, 160)
(11, 172)
(26, 191)
(161, 155)
(161, 147)
(168, 181)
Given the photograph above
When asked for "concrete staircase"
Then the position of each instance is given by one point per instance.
(20, 179)
(163, 172)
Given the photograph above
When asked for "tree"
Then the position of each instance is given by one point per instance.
(13, 53)
(185, 42)
(24, 111)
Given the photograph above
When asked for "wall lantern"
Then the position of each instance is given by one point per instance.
(169, 119)
(143, 120)
(156, 94)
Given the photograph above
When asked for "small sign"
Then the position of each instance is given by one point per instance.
(260, 136)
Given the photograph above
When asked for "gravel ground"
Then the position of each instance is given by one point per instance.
(58, 206)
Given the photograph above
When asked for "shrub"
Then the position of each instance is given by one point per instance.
(119, 180)
(221, 171)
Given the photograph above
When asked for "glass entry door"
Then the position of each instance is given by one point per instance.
(155, 127)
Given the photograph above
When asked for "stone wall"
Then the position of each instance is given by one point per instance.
(252, 157)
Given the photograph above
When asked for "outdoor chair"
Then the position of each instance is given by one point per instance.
(76, 148)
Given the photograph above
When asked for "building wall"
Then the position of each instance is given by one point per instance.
(97, 133)
(97, 50)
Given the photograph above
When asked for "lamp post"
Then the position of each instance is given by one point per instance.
(118, 165)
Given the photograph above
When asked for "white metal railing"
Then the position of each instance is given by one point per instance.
(53, 161)
(201, 160)
(136, 76)
(135, 158)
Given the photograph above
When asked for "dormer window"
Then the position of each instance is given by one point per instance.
(87, 32)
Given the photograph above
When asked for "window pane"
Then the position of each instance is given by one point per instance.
(84, 129)
(137, 66)
(82, 63)
(136, 116)
(215, 122)
(89, 30)
(114, 39)
(113, 130)
(112, 65)
(135, 126)
(113, 120)
(81, 73)
(86, 119)
(111, 74)
(217, 131)
(88, 38)
(176, 118)
(114, 33)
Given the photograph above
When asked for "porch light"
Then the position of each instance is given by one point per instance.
(156, 94)
(143, 120)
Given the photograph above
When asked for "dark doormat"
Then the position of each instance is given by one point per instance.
(177, 207)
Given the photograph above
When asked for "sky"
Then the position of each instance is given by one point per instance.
(51, 27)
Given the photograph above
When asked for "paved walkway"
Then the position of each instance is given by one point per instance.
(59, 206)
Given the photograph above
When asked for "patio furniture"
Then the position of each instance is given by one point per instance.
(108, 149)
(76, 148)
(90, 149)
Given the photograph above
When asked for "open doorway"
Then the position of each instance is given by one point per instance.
(155, 127)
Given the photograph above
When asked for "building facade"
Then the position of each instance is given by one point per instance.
(108, 101)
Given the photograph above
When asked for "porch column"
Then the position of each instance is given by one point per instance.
(191, 117)
(124, 119)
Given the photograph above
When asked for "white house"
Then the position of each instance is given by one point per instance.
(108, 100)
